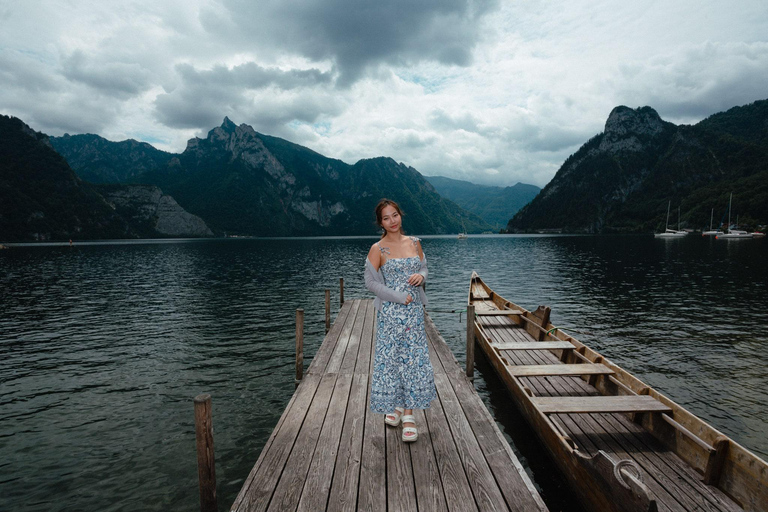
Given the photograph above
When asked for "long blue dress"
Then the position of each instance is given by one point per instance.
(402, 373)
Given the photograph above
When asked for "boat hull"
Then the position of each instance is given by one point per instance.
(738, 480)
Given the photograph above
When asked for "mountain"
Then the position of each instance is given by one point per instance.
(41, 198)
(622, 179)
(99, 160)
(151, 213)
(495, 205)
(243, 182)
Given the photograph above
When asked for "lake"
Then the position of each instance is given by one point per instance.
(104, 345)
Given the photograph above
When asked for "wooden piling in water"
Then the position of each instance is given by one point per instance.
(341, 291)
(327, 311)
(471, 342)
(206, 468)
(299, 345)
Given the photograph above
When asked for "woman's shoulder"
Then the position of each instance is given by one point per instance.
(415, 239)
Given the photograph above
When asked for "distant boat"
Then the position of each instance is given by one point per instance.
(733, 234)
(712, 231)
(463, 234)
(671, 233)
(758, 234)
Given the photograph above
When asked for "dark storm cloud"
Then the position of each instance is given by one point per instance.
(252, 76)
(204, 97)
(356, 35)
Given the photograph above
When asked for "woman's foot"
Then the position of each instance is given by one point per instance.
(393, 418)
(410, 432)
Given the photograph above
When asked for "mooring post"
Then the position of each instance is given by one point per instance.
(299, 345)
(327, 311)
(471, 342)
(206, 462)
(341, 290)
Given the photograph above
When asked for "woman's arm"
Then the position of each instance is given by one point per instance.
(374, 285)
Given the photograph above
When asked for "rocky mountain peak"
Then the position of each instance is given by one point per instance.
(640, 121)
(624, 125)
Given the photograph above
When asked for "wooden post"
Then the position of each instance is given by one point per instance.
(471, 342)
(327, 311)
(341, 292)
(206, 463)
(299, 345)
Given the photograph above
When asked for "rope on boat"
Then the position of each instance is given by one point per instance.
(459, 311)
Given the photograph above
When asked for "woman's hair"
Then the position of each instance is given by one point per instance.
(383, 204)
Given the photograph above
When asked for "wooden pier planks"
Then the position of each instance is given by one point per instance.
(675, 484)
(329, 452)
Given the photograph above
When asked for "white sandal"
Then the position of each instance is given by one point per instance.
(393, 419)
(410, 434)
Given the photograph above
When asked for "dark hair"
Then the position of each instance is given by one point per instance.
(383, 204)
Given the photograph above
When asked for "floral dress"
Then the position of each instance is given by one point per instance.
(402, 373)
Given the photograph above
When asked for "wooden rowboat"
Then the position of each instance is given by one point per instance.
(622, 445)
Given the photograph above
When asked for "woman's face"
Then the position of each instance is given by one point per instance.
(390, 219)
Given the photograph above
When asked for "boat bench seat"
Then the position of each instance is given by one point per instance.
(534, 345)
(552, 370)
(499, 312)
(588, 404)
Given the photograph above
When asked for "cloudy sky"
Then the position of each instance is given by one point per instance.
(491, 91)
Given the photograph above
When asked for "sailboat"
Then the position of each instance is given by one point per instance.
(671, 233)
(733, 234)
(711, 231)
(463, 234)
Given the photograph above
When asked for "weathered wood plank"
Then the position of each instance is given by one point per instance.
(458, 494)
(372, 495)
(588, 404)
(258, 489)
(317, 485)
(288, 490)
(320, 361)
(534, 345)
(500, 312)
(364, 355)
(548, 370)
(334, 362)
(429, 489)
(346, 474)
(444, 357)
(401, 490)
(481, 481)
(517, 487)
(349, 360)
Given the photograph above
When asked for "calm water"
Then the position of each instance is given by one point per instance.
(103, 346)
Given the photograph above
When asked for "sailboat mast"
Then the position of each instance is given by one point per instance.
(729, 212)
(678, 218)
(711, 218)
(666, 226)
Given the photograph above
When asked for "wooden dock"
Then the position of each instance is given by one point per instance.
(329, 452)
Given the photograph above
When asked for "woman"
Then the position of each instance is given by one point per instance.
(395, 271)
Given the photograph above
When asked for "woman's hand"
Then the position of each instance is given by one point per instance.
(408, 299)
(415, 279)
